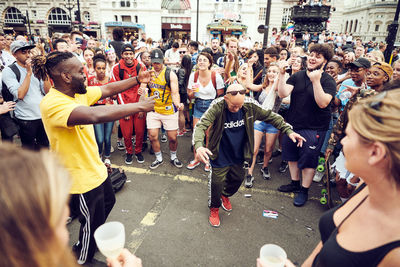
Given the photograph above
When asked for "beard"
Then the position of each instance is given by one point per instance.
(316, 68)
(79, 85)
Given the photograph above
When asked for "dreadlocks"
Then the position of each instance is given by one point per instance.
(42, 66)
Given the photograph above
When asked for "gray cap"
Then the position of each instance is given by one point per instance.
(20, 44)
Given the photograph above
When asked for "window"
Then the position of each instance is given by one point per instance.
(122, 3)
(113, 4)
(115, 17)
(86, 16)
(286, 16)
(34, 13)
(13, 15)
(136, 19)
(125, 3)
(126, 18)
(262, 14)
(59, 17)
(377, 27)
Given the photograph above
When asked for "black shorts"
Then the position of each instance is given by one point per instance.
(307, 155)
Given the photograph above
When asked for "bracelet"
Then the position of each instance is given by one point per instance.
(137, 79)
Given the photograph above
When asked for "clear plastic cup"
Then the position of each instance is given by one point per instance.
(272, 255)
(345, 95)
(110, 239)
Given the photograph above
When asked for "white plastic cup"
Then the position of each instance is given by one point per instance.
(110, 239)
(272, 255)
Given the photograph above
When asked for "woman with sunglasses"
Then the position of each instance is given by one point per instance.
(204, 86)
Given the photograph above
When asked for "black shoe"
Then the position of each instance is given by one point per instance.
(260, 159)
(128, 159)
(300, 199)
(289, 188)
(249, 181)
(139, 158)
(155, 164)
(276, 153)
(177, 163)
(283, 166)
(265, 173)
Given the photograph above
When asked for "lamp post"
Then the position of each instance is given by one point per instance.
(197, 22)
(392, 31)
(79, 16)
(69, 6)
(266, 28)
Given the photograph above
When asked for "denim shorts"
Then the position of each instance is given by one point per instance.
(307, 155)
(200, 106)
(265, 128)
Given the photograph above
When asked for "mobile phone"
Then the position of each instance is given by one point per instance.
(79, 40)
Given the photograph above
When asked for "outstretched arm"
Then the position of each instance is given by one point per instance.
(91, 115)
(115, 88)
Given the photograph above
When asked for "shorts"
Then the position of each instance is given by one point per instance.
(265, 127)
(154, 121)
(307, 155)
(200, 106)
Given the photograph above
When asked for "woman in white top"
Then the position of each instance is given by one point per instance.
(269, 100)
(204, 86)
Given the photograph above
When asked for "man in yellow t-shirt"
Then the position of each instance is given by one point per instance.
(68, 119)
(165, 109)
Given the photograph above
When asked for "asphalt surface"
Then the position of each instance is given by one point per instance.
(165, 214)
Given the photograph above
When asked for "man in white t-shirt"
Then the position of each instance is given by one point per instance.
(172, 57)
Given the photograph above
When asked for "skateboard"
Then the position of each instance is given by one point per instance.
(326, 198)
(320, 170)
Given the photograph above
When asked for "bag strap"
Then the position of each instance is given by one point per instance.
(196, 76)
(120, 72)
(16, 71)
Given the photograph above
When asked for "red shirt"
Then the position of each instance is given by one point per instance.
(92, 81)
(130, 95)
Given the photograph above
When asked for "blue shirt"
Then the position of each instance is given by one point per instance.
(194, 58)
(348, 82)
(28, 107)
(231, 147)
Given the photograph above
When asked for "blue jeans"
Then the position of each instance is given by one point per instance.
(103, 133)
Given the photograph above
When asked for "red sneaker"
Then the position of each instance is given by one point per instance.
(226, 204)
(214, 217)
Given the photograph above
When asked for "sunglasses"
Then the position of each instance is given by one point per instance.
(242, 92)
(182, 52)
(377, 104)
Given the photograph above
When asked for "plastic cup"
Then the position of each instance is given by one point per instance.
(110, 239)
(272, 255)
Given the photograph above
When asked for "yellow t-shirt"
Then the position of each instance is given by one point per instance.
(76, 146)
(163, 100)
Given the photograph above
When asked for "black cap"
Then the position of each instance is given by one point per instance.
(157, 56)
(361, 63)
(127, 47)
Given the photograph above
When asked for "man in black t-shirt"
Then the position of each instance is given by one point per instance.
(311, 92)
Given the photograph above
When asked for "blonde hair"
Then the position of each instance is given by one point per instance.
(377, 119)
(33, 196)
(232, 39)
(377, 56)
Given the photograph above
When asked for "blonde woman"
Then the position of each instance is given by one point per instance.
(269, 100)
(34, 211)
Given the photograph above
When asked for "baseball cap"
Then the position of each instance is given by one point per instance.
(127, 47)
(20, 44)
(157, 56)
(140, 45)
(361, 63)
(385, 67)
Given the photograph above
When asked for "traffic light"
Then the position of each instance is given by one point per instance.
(76, 13)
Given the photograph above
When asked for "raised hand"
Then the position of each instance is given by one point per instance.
(145, 76)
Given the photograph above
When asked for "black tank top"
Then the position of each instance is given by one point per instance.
(332, 254)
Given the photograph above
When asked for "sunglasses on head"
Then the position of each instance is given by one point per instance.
(242, 92)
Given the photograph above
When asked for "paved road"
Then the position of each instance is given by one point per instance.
(165, 215)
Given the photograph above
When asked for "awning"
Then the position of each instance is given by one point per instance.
(226, 25)
(124, 24)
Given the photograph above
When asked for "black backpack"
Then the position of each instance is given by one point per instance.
(7, 96)
(118, 178)
(121, 71)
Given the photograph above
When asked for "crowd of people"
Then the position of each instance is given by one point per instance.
(244, 105)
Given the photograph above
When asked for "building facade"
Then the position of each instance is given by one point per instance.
(48, 17)
(369, 19)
